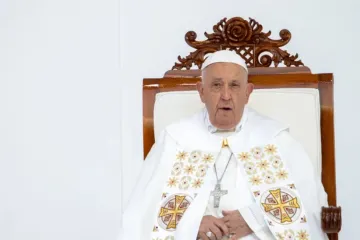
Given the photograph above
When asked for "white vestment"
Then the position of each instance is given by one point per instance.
(196, 133)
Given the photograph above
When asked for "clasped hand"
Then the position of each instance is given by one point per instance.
(232, 224)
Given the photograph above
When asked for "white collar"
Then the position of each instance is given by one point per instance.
(212, 129)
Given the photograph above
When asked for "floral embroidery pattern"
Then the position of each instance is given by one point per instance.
(268, 177)
(184, 183)
(270, 149)
(194, 157)
(172, 182)
(177, 169)
(291, 235)
(208, 158)
(302, 235)
(197, 183)
(276, 161)
(255, 180)
(181, 156)
(265, 164)
(244, 156)
(186, 167)
(257, 153)
(286, 235)
(201, 170)
(282, 174)
(189, 169)
(250, 168)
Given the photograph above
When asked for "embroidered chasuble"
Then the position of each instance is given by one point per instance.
(269, 179)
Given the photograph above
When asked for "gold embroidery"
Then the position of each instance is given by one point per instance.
(255, 180)
(302, 235)
(262, 161)
(270, 149)
(208, 158)
(197, 183)
(244, 156)
(172, 182)
(281, 205)
(282, 174)
(189, 169)
(290, 234)
(287, 234)
(263, 165)
(172, 211)
(181, 156)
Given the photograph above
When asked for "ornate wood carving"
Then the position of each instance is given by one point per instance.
(331, 219)
(245, 38)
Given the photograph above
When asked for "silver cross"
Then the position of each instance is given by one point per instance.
(218, 193)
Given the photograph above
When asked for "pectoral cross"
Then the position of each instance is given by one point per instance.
(218, 193)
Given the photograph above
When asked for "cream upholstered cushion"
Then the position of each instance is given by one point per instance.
(297, 107)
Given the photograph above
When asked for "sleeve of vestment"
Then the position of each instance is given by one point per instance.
(133, 210)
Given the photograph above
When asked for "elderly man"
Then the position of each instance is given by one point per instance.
(225, 173)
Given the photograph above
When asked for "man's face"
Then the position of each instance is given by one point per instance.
(225, 91)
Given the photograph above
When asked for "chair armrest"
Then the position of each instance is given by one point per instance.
(331, 219)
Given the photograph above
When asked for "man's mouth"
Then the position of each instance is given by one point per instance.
(226, 108)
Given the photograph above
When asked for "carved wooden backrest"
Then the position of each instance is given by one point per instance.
(264, 58)
(245, 38)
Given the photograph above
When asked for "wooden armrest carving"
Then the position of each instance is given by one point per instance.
(331, 219)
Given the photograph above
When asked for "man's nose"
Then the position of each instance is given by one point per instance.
(225, 93)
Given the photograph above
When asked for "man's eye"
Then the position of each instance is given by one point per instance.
(216, 84)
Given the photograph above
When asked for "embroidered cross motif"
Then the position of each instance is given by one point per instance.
(173, 212)
(281, 205)
(218, 193)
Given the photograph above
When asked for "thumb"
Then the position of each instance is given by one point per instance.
(225, 213)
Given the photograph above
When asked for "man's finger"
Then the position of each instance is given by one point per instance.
(203, 236)
(234, 237)
(228, 225)
(221, 224)
(226, 218)
(216, 232)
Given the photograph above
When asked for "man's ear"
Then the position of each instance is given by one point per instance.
(249, 89)
(200, 89)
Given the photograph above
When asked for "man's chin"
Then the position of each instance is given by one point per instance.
(225, 125)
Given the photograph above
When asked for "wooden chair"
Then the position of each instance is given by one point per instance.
(310, 96)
